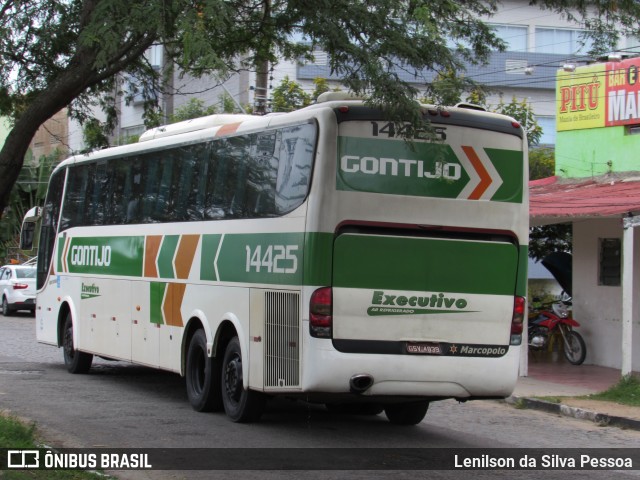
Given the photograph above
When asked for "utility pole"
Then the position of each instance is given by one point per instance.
(262, 91)
(262, 66)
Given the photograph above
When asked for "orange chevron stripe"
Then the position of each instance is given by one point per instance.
(151, 249)
(65, 252)
(185, 255)
(172, 303)
(485, 178)
(227, 129)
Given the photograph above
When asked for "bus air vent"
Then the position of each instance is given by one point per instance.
(282, 339)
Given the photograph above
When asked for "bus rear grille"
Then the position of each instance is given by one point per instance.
(282, 340)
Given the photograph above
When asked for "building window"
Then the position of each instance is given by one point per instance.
(610, 262)
(514, 36)
(562, 41)
(548, 125)
(632, 130)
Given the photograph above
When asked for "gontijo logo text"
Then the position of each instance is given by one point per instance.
(468, 172)
(399, 167)
(383, 303)
(91, 255)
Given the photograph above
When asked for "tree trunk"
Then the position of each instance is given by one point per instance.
(42, 108)
(12, 156)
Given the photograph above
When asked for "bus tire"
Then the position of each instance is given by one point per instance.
(202, 376)
(406, 413)
(240, 405)
(74, 360)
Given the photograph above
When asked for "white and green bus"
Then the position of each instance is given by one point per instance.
(325, 254)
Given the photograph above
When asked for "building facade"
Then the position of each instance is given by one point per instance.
(597, 190)
(538, 43)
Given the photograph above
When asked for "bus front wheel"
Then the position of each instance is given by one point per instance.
(75, 361)
(406, 413)
(202, 375)
(240, 405)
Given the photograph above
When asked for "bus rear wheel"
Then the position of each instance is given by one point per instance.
(202, 375)
(240, 405)
(406, 413)
(75, 361)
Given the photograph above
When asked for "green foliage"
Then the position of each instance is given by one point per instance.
(626, 392)
(321, 86)
(227, 103)
(542, 163)
(289, 96)
(546, 239)
(94, 135)
(15, 434)
(28, 192)
(60, 53)
(522, 111)
(448, 87)
(194, 108)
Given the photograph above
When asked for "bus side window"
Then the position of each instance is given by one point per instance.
(95, 214)
(115, 211)
(216, 204)
(163, 208)
(79, 191)
(295, 158)
(49, 229)
(186, 185)
(151, 170)
(238, 203)
(261, 181)
(198, 194)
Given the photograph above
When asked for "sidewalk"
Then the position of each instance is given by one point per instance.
(555, 377)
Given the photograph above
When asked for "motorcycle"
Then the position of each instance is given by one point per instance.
(547, 326)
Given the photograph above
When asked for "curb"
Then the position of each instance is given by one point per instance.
(601, 419)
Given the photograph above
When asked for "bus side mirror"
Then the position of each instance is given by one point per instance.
(27, 233)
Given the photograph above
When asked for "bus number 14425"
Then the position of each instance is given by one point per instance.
(276, 259)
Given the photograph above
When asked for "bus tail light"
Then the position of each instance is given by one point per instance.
(320, 313)
(517, 321)
(20, 286)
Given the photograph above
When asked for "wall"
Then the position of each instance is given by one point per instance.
(582, 153)
(52, 135)
(599, 308)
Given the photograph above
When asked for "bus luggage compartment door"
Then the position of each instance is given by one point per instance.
(414, 294)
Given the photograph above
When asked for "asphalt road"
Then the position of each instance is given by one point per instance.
(125, 406)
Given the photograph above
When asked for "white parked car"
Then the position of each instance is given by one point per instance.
(18, 288)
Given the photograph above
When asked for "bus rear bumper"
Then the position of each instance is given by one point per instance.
(331, 371)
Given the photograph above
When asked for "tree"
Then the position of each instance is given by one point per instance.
(542, 163)
(321, 86)
(66, 53)
(289, 96)
(194, 108)
(58, 54)
(546, 239)
(29, 191)
(95, 135)
(523, 113)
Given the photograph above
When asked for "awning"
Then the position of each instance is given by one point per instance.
(553, 199)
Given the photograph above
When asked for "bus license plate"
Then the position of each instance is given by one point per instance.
(424, 348)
